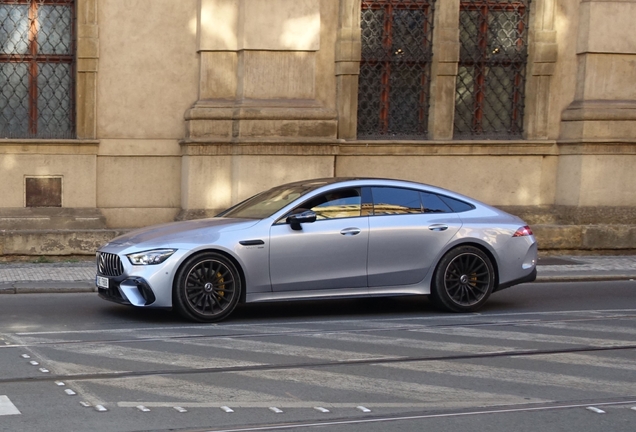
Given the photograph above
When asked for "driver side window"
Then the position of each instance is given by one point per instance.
(342, 203)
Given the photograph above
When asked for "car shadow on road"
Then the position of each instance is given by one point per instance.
(402, 307)
(334, 309)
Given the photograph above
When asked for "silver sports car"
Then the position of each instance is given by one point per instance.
(323, 238)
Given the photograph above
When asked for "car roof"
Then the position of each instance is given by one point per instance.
(318, 183)
(326, 181)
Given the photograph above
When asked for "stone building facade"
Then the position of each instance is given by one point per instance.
(177, 109)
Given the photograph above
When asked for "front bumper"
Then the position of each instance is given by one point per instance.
(127, 290)
(136, 285)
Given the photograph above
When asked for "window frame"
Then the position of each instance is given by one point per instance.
(386, 62)
(484, 61)
(32, 57)
(373, 203)
(283, 220)
(369, 201)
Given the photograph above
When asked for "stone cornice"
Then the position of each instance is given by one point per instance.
(48, 146)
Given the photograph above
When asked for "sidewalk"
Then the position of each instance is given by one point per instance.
(18, 278)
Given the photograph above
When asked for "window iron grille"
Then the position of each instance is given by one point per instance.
(394, 80)
(37, 69)
(489, 98)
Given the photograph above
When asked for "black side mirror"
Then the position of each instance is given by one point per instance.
(295, 220)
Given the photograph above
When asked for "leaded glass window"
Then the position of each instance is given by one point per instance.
(394, 81)
(37, 67)
(489, 99)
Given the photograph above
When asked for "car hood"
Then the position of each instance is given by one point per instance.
(180, 231)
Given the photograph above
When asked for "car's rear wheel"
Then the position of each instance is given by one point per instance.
(463, 280)
(207, 288)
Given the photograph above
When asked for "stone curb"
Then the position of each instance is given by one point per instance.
(47, 287)
(584, 278)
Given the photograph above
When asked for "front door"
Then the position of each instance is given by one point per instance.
(330, 253)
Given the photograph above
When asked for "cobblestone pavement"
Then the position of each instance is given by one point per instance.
(80, 276)
(16, 272)
(586, 268)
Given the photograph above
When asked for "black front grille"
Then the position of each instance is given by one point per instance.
(109, 264)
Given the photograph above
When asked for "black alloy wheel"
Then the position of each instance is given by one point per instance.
(463, 280)
(207, 288)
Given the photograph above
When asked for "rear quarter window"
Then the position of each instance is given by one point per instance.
(432, 203)
(457, 206)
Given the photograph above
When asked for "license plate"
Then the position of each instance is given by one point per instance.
(102, 282)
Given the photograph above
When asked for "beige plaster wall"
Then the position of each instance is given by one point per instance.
(278, 75)
(216, 182)
(258, 173)
(285, 49)
(78, 174)
(271, 25)
(148, 71)
(607, 76)
(139, 147)
(597, 180)
(496, 180)
(135, 191)
(259, 49)
(132, 217)
(138, 181)
(148, 77)
(206, 182)
(607, 27)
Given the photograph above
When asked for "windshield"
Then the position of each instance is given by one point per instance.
(267, 203)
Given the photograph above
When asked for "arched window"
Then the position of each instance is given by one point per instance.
(394, 81)
(37, 69)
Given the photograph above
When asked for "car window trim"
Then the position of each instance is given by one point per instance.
(283, 219)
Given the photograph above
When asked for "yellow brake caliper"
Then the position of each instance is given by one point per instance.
(221, 285)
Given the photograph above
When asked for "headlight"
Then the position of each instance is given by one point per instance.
(156, 256)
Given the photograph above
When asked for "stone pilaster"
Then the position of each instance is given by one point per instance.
(541, 66)
(604, 106)
(87, 66)
(259, 66)
(348, 54)
(597, 140)
(444, 70)
(258, 73)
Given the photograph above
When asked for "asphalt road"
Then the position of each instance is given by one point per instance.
(538, 357)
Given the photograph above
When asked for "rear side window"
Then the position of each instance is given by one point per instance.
(432, 203)
(389, 201)
(456, 205)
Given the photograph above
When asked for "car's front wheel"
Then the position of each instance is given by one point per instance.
(463, 280)
(207, 288)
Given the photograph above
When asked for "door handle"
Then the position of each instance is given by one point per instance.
(438, 227)
(350, 231)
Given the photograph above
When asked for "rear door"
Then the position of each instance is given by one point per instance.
(407, 229)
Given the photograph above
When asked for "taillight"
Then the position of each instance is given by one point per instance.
(523, 231)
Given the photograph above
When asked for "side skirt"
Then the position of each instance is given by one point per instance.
(417, 289)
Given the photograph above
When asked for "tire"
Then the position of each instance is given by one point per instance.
(463, 280)
(207, 288)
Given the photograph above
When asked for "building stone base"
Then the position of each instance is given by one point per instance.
(554, 239)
